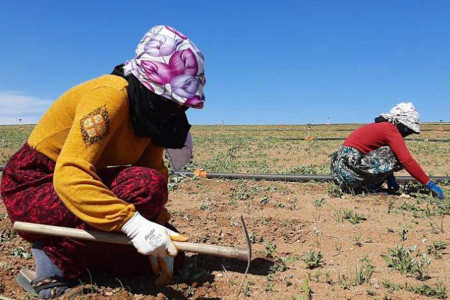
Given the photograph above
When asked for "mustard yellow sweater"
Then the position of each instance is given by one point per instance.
(87, 129)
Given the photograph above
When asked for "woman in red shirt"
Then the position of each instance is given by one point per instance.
(372, 153)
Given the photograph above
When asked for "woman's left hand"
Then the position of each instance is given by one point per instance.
(435, 189)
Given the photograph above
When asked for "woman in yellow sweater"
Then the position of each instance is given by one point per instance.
(60, 176)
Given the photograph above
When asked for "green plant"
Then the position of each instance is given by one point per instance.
(357, 240)
(399, 258)
(438, 291)
(436, 248)
(360, 275)
(307, 289)
(391, 286)
(205, 206)
(247, 290)
(7, 235)
(20, 252)
(402, 232)
(353, 217)
(420, 267)
(335, 190)
(270, 248)
(313, 259)
(319, 202)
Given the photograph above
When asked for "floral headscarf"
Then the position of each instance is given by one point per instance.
(170, 65)
(406, 114)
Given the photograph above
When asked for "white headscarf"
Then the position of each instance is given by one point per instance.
(406, 114)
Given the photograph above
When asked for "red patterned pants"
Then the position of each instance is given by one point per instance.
(29, 196)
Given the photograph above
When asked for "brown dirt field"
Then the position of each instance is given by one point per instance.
(285, 221)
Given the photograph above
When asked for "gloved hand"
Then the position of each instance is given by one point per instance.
(152, 239)
(163, 266)
(435, 189)
(392, 183)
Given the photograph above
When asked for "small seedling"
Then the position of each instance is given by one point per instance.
(353, 217)
(270, 248)
(436, 249)
(357, 240)
(335, 190)
(402, 233)
(247, 291)
(319, 202)
(7, 235)
(307, 289)
(20, 252)
(313, 259)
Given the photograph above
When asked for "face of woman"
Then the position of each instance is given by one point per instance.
(404, 131)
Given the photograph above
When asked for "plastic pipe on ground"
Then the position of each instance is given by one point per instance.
(286, 177)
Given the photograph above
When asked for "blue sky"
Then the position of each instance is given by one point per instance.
(267, 62)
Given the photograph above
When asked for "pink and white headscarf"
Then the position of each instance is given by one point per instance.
(170, 65)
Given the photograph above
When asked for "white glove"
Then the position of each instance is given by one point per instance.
(150, 238)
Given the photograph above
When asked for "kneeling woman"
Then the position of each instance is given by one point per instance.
(371, 154)
(60, 176)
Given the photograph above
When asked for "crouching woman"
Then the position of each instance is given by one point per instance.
(371, 154)
(60, 176)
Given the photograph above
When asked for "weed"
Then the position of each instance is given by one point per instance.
(307, 289)
(437, 291)
(247, 291)
(191, 273)
(20, 252)
(353, 217)
(269, 248)
(391, 286)
(361, 274)
(313, 259)
(399, 258)
(7, 235)
(205, 206)
(420, 267)
(335, 190)
(347, 214)
(264, 200)
(436, 248)
(357, 240)
(319, 202)
(174, 182)
(402, 232)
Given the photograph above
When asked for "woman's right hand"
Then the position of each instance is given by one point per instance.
(435, 189)
(150, 238)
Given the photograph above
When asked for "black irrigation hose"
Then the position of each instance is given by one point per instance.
(285, 177)
(343, 139)
(302, 129)
(290, 177)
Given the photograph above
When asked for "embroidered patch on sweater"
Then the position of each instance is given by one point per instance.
(95, 125)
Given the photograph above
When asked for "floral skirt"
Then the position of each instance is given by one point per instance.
(29, 196)
(352, 169)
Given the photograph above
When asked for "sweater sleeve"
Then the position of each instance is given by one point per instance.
(398, 146)
(153, 157)
(98, 115)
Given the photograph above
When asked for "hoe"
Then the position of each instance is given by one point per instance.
(26, 276)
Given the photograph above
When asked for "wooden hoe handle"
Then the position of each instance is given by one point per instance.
(117, 238)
